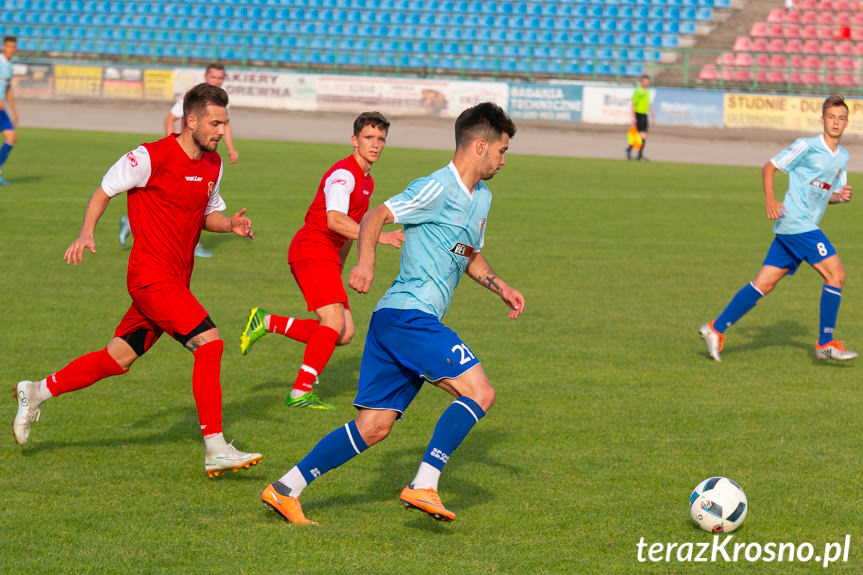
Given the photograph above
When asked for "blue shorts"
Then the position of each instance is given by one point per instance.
(404, 348)
(788, 250)
(5, 122)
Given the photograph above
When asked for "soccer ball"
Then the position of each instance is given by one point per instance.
(718, 504)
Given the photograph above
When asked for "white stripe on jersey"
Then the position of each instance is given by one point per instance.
(792, 154)
(215, 203)
(338, 189)
(131, 171)
(426, 196)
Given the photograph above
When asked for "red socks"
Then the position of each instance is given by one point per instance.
(298, 329)
(319, 349)
(206, 387)
(83, 372)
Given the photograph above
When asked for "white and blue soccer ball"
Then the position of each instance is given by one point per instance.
(718, 504)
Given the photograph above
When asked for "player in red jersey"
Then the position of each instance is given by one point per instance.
(317, 255)
(172, 194)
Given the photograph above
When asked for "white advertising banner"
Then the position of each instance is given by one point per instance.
(272, 90)
(608, 105)
(394, 96)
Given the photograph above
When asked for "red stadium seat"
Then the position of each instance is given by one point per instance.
(776, 15)
(827, 47)
(825, 32)
(791, 31)
(809, 17)
(845, 64)
(743, 43)
(843, 19)
(797, 62)
(763, 60)
(778, 61)
(807, 4)
(792, 16)
(858, 49)
(857, 19)
(825, 5)
(811, 46)
(775, 30)
(742, 76)
(726, 59)
(810, 79)
(825, 18)
(777, 78)
(857, 33)
(844, 6)
(809, 31)
(812, 63)
(793, 45)
(743, 60)
(776, 45)
(760, 44)
(708, 73)
(758, 29)
(845, 48)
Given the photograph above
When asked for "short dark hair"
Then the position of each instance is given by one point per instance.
(486, 120)
(373, 119)
(195, 101)
(10, 39)
(832, 101)
(214, 66)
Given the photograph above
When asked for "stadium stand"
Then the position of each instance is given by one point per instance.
(817, 45)
(528, 38)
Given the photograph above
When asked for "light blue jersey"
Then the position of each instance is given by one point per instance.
(5, 76)
(814, 174)
(444, 224)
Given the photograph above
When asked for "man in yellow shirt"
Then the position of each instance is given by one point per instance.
(641, 108)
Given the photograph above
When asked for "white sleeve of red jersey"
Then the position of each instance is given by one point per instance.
(216, 203)
(130, 172)
(338, 189)
(177, 109)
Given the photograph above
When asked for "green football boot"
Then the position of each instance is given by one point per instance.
(310, 401)
(254, 331)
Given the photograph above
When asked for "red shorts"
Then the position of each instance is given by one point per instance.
(167, 306)
(321, 282)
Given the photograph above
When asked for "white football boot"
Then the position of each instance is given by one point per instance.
(26, 392)
(715, 341)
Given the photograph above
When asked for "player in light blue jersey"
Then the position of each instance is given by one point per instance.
(7, 100)
(444, 217)
(817, 176)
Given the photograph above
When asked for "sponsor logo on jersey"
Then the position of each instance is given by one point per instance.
(210, 186)
(463, 250)
(820, 185)
(133, 161)
(194, 178)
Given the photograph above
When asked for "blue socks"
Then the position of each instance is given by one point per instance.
(743, 301)
(333, 450)
(451, 429)
(4, 153)
(831, 297)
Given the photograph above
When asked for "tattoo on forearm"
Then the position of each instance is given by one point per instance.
(489, 281)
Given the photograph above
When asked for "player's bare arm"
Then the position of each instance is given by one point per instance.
(343, 225)
(95, 208)
(480, 271)
(238, 224)
(842, 196)
(169, 122)
(233, 156)
(370, 230)
(773, 208)
(10, 100)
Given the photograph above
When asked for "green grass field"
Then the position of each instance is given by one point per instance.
(609, 411)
